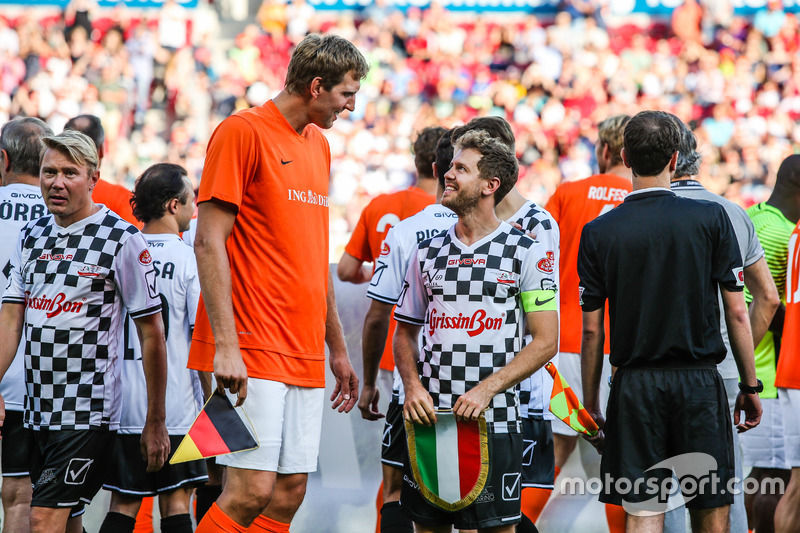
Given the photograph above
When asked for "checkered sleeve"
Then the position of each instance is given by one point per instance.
(136, 278)
(390, 270)
(15, 288)
(413, 302)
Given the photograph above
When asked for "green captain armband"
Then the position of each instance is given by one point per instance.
(533, 301)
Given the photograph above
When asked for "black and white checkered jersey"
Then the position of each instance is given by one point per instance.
(19, 204)
(468, 300)
(535, 391)
(75, 283)
(399, 246)
(179, 292)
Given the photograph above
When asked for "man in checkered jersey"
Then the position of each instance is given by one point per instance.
(163, 200)
(538, 458)
(473, 289)
(20, 202)
(73, 273)
(385, 289)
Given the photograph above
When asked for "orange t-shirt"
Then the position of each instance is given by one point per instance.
(573, 205)
(278, 248)
(788, 375)
(117, 198)
(382, 213)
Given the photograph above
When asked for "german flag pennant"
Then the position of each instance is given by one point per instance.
(217, 430)
(567, 407)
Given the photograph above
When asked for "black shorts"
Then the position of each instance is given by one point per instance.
(498, 504)
(127, 473)
(538, 459)
(393, 445)
(658, 415)
(17, 446)
(67, 467)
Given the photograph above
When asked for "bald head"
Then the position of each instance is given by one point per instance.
(788, 179)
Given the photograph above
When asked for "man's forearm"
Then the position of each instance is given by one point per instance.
(406, 354)
(334, 336)
(592, 357)
(758, 280)
(11, 318)
(740, 336)
(154, 360)
(373, 339)
(214, 271)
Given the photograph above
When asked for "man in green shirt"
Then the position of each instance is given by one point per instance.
(763, 448)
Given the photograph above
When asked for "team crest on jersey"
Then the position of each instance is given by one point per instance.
(385, 249)
(145, 258)
(546, 264)
(89, 271)
(739, 274)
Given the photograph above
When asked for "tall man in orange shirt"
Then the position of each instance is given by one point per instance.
(573, 205)
(267, 299)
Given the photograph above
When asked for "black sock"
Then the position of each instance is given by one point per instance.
(206, 496)
(177, 523)
(394, 520)
(118, 523)
(526, 526)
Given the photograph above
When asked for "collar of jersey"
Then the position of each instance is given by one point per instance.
(648, 192)
(81, 224)
(686, 184)
(504, 226)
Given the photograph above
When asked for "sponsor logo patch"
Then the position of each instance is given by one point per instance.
(385, 249)
(89, 271)
(145, 258)
(77, 470)
(546, 264)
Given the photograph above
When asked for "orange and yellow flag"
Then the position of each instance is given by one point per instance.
(567, 407)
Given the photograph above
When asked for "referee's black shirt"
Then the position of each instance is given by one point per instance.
(658, 258)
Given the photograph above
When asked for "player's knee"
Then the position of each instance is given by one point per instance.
(392, 484)
(293, 488)
(16, 492)
(175, 502)
(43, 521)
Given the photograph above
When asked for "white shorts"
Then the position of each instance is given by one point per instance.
(569, 366)
(288, 423)
(790, 408)
(763, 446)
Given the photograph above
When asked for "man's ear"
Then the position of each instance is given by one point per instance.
(624, 158)
(605, 152)
(673, 162)
(6, 161)
(172, 206)
(491, 185)
(315, 87)
(93, 179)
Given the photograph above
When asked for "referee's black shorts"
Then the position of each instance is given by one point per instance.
(657, 415)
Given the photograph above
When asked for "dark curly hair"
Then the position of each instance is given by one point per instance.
(155, 187)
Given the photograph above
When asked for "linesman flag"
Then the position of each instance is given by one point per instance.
(217, 430)
(450, 459)
(566, 405)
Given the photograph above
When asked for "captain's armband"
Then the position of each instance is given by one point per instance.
(541, 300)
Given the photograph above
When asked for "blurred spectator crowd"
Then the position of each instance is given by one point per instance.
(161, 80)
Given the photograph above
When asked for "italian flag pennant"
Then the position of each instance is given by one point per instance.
(450, 459)
(565, 405)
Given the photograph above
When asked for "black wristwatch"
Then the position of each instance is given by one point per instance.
(752, 390)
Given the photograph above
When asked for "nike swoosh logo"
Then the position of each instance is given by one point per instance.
(286, 162)
(542, 302)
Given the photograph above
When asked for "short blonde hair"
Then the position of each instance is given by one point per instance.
(78, 146)
(329, 57)
(610, 132)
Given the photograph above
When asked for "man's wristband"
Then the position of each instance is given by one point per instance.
(752, 390)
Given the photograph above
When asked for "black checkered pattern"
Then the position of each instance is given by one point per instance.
(536, 221)
(465, 283)
(68, 355)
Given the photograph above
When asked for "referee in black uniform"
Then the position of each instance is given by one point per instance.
(659, 259)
